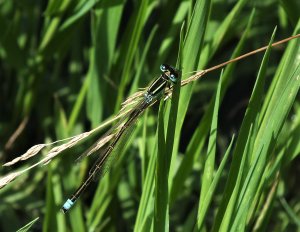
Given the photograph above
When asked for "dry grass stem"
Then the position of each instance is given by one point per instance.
(9, 178)
(31, 152)
(16, 134)
(34, 150)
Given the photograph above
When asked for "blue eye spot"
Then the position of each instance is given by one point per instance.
(173, 78)
(163, 68)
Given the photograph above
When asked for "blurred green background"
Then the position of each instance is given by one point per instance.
(66, 66)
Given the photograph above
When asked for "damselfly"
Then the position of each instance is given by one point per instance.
(153, 93)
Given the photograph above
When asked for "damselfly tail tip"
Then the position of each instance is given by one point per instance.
(64, 210)
(68, 204)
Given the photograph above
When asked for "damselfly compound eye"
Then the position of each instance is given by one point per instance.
(163, 68)
(173, 78)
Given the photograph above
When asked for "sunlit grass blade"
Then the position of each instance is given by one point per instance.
(209, 164)
(228, 204)
(278, 107)
(190, 54)
(212, 188)
(197, 142)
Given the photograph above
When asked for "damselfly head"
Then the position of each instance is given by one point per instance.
(170, 72)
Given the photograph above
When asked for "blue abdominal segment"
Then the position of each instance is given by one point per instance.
(68, 204)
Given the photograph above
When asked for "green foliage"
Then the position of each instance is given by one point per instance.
(65, 68)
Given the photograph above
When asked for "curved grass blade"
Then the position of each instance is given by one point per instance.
(28, 226)
(209, 165)
(209, 195)
(228, 203)
(197, 142)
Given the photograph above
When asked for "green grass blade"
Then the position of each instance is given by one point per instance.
(209, 165)
(233, 198)
(165, 151)
(141, 65)
(48, 222)
(78, 104)
(292, 8)
(197, 142)
(190, 54)
(82, 9)
(212, 188)
(105, 24)
(278, 107)
(292, 214)
(251, 116)
(161, 217)
(146, 201)
(209, 50)
(27, 226)
(166, 46)
(130, 48)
